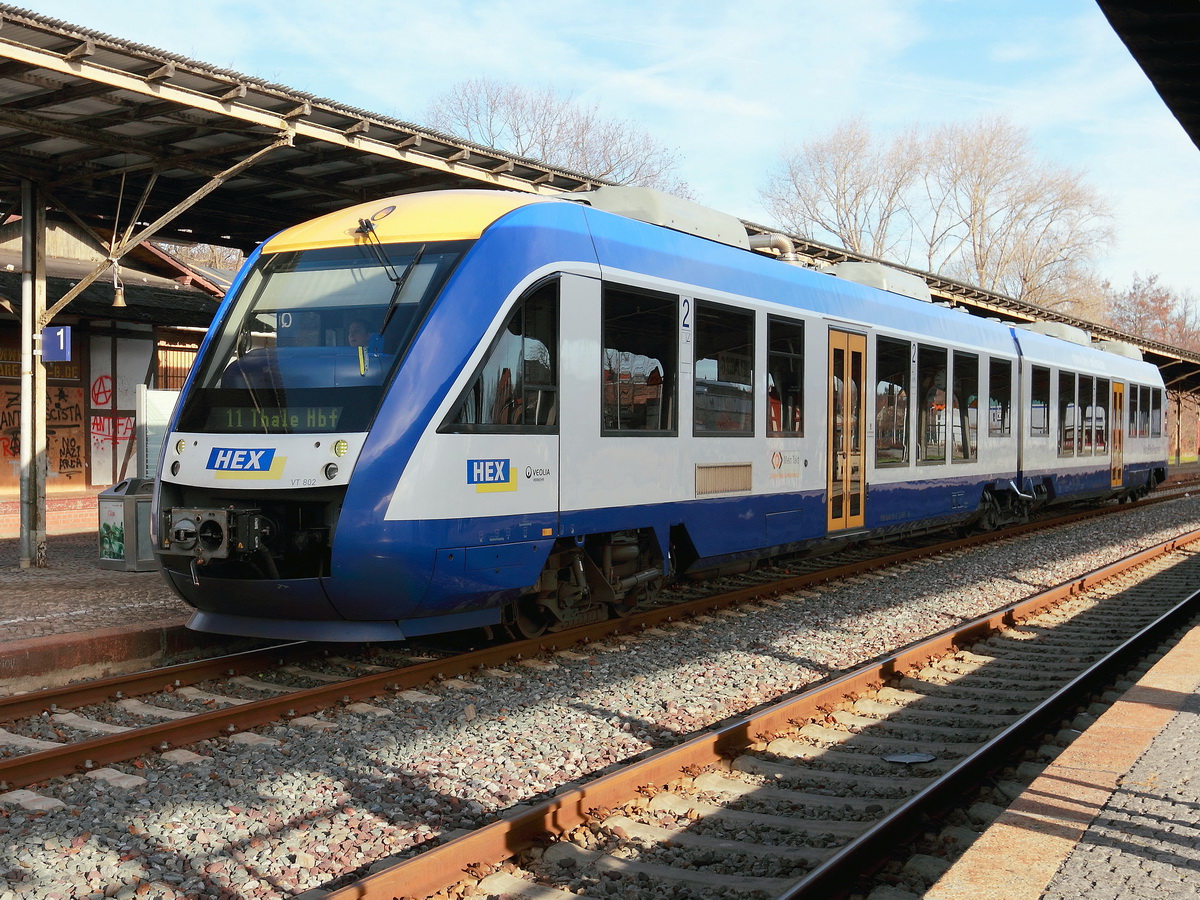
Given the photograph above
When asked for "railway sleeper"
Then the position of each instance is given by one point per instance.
(21, 742)
(854, 745)
(1004, 699)
(565, 852)
(1068, 634)
(985, 677)
(86, 725)
(845, 754)
(737, 790)
(1019, 651)
(895, 724)
(679, 805)
(886, 785)
(878, 710)
(948, 702)
(505, 884)
(192, 693)
(630, 829)
(1084, 623)
(1026, 671)
(149, 711)
(970, 656)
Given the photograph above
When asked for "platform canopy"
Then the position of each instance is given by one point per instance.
(91, 118)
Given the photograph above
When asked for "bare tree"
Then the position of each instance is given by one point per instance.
(211, 255)
(845, 186)
(968, 201)
(1150, 309)
(540, 124)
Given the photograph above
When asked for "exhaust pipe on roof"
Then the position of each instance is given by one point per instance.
(780, 242)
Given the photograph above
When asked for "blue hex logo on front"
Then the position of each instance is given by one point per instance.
(233, 459)
(490, 475)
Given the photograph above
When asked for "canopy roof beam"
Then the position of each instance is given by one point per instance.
(131, 241)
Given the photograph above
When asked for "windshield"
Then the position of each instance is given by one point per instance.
(312, 338)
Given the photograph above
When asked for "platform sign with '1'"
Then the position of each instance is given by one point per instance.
(56, 344)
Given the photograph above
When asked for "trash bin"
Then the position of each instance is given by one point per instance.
(124, 528)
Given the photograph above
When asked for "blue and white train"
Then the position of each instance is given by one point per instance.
(476, 408)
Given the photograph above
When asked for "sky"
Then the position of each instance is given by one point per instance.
(732, 84)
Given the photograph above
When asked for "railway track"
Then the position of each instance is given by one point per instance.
(86, 726)
(799, 799)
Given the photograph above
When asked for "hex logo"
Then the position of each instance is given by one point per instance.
(232, 459)
(489, 475)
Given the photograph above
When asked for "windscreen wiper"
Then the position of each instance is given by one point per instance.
(367, 227)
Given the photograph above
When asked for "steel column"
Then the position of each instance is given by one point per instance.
(33, 378)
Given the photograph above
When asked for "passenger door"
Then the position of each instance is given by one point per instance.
(846, 481)
(1117, 439)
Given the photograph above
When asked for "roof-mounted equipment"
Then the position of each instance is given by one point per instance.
(648, 205)
(877, 275)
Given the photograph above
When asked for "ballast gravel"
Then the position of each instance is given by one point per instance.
(298, 807)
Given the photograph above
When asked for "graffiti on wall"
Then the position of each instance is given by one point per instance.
(10, 424)
(109, 431)
(65, 437)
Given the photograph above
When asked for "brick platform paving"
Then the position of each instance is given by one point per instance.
(74, 594)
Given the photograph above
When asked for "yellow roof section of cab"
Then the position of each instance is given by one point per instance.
(407, 218)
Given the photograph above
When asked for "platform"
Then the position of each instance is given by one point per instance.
(72, 619)
(1116, 815)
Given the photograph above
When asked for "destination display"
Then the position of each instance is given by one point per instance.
(273, 419)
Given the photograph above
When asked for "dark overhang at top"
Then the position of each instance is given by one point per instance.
(1163, 37)
(91, 118)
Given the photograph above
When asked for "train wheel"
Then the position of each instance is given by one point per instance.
(530, 618)
(625, 606)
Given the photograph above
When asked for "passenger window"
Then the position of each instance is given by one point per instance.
(1100, 416)
(785, 377)
(639, 362)
(964, 432)
(1155, 412)
(1087, 411)
(724, 371)
(1000, 397)
(931, 382)
(893, 375)
(1039, 401)
(1144, 412)
(1068, 414)
(516, 388)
